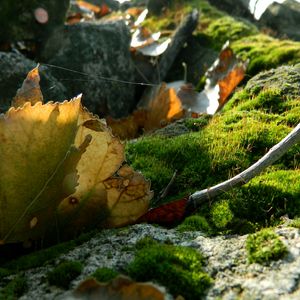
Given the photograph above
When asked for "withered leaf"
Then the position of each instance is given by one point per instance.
(221, 79)
(62, 165)
(107, 195)
(38, 166)
(159, 108)
(30, 90)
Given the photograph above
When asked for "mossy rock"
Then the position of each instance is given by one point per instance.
(179, 269)
(264, 247)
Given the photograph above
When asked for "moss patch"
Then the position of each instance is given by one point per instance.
(15, 288)
(105, 274)
(265, 52)
(179, 269)
(194, 223)
(64, 273)
(264, 246)
(227, 28)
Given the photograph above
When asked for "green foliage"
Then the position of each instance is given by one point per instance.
(295, 223)
(177, 268)
(14, 289)
(105, 274)
(64, 273)
(264, 246)
(194, 223)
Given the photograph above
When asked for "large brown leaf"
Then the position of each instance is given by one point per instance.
(58, 160)
(38, 166)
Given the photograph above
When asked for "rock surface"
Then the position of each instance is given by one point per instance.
(283, 18)
(19, 20)
(94, 52)
(13, 70)
(226, 263)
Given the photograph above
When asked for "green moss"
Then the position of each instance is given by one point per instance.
(228, 28)
(14, 289)
(145, 242)
(64, 273)
(194, 223)
(4, 273)
(44, 256)
(179, 269)
(264, 246)
(267, 196)
(295, 223)
(265, 52)
(105, 274)
(221, 214)
(197, 124)
(230, 143)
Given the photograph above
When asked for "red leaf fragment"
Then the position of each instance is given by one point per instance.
(166, 214)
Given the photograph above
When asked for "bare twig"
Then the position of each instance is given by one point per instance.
(200, 197)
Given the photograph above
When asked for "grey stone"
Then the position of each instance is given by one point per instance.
(283, 18)
(234, 277)
(198, 59)
(18, 22)
(13, 70)
(98, 58)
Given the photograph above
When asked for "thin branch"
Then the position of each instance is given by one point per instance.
(200, 197)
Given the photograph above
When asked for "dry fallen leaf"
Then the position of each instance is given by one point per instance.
(30, 90)
(159, 108)
(38, 166)
(222, 78)
(106, 195)
(120, 288)
(46, 150)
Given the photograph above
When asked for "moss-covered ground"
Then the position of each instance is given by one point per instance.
(217, 148)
